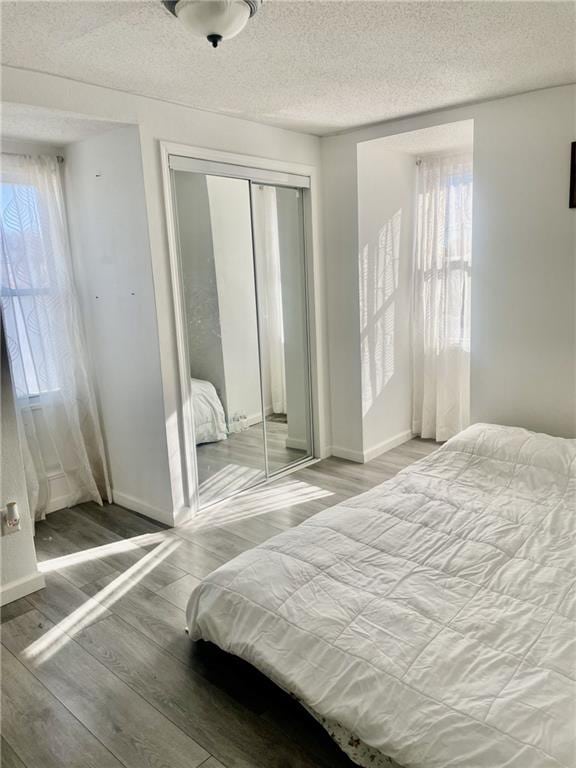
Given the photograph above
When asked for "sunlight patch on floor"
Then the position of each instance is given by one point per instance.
(56, 638)
(227, 480)
(101, 552)
(268, 498)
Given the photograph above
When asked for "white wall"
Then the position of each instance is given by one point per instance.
(386, 193)
(111, 253)
(18, 571)
(340, 217)
(159, 120)
(523, 264)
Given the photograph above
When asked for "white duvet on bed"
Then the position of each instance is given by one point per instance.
(434, 616)
(209, 418)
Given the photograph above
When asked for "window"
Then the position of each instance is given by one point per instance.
(41, 320)
(25, 289)
(441, 307)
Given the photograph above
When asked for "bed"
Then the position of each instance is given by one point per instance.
(428, 623)
(209, 418)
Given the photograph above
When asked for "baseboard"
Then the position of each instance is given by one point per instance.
(137, 505)
(346, 453)
(18, 588)
(58, 492)
(253, 418)
(297, 444)
(256, 418)
(387, 445)
(362, 457)
(122, 499)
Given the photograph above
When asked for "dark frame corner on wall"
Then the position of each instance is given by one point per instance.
(572, 202)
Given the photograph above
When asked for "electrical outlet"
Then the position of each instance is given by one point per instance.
(10, 519)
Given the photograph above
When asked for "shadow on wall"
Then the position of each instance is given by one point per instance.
(379, 267)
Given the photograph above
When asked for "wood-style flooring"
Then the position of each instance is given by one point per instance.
(234, 464)
(97, 671)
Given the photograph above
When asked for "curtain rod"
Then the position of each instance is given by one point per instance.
(59, 158)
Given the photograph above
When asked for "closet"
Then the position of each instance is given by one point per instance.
(241, 301)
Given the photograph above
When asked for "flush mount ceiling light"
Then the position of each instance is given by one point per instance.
(215, 20)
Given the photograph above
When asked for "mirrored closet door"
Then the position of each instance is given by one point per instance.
(281, 289)
(242, 269)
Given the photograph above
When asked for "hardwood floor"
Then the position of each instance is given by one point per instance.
(97, 671)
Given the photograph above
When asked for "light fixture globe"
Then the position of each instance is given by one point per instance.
(215, 20)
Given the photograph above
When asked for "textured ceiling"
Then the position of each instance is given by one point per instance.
(20, 121)
(438, 138)
(318, 66)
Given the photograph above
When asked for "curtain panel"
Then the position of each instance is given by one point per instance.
(41, 319)
(441, 298)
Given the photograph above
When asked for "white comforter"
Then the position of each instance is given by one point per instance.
(209, 418)
(434, 616)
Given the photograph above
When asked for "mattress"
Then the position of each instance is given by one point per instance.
(433, 618)
(209, 418)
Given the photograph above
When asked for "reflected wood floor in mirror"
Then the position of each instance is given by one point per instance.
(97, 670)
(236, 463)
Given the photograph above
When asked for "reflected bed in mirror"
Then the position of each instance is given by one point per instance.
(227, 468)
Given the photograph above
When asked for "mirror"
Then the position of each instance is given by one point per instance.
(241, 250)
(281, 288)
(218, 284)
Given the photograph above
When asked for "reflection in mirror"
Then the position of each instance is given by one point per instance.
(281, 282)
(217, 273)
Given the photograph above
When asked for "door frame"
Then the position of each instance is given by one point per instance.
(183, 445)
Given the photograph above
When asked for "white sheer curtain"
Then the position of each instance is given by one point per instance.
(441, 302)
(270, 284)
(43, 330)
